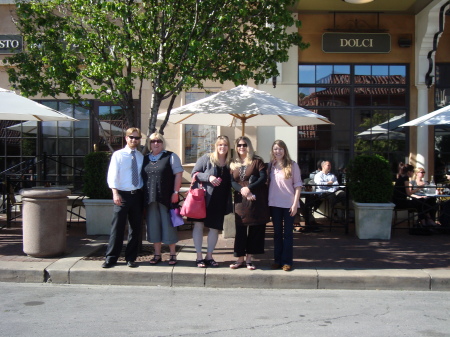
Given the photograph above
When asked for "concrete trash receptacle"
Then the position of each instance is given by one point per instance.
(44, 224)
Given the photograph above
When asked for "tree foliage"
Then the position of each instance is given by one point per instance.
(108, 48)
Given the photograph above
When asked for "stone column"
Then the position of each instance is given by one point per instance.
(422, 131)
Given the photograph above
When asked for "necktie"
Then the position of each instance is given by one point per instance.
(134, 169)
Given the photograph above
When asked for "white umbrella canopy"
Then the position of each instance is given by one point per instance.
(390, 129)
(19, 108)
(243, 106)
(438, 117)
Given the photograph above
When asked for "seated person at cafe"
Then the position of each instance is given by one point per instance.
(327, 185)
(405, 197)
(326, 182)
(418, 184)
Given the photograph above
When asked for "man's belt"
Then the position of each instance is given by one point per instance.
(130, 192)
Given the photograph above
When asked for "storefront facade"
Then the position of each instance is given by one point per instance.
(370, 68)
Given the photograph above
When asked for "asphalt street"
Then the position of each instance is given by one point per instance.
(80, 310)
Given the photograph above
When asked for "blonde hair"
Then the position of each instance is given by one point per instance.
(153, 136)
(250, 153)
(417, 170)
(131, 130)
(286, 164)
(214, 156)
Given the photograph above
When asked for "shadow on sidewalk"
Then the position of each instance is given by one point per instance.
(326, 250)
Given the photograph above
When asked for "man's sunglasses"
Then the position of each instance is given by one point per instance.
(133, 137)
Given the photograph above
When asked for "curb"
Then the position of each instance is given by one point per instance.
(72, 269)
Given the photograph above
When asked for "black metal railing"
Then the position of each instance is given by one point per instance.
(35, 173)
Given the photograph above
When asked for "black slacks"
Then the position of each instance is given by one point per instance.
(249, 240)
(130, 209)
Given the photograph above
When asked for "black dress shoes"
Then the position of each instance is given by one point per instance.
(108, 264)
(132, 264)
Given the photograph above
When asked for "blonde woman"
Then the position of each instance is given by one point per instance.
(404, 197)
(418, 180)
(417, 184)
(213, 171)
(248, 179)
(161, 173)
(284, 194)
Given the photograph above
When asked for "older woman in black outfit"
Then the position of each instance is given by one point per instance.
(161, 173)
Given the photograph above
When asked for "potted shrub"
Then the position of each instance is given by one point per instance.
(369, 181)
(98, 204)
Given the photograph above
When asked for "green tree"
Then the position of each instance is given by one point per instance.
(109, 48)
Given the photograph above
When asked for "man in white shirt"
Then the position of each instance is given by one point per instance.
(327, 182)
(124, 178)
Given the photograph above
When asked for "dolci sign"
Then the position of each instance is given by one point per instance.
(356, 43)
(10, 44)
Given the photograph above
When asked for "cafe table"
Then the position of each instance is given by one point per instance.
(324, 196)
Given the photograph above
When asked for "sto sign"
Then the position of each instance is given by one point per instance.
(10, 44)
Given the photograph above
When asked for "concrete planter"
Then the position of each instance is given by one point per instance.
(99, 214)
(373, 220)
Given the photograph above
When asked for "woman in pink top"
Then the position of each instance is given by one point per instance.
(284, 195)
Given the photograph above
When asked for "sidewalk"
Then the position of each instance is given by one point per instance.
(326, 260)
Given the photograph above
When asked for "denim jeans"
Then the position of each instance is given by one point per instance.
(283, 237)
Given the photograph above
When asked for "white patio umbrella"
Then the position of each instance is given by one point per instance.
(438, 117)
(243, 106)
(387, 130)
(16, 107)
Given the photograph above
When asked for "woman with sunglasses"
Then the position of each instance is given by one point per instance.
(404, 197)
(248, 179)
(284, 195)
(417, 184)
(162, 173)
(213, 171)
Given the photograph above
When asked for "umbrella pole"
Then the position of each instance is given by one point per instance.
(243, 127)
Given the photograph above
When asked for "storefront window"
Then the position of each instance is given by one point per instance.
(62, 140)
(324, 74)
(360, 100)
(23, 145)
(198, 139)
(112, 122)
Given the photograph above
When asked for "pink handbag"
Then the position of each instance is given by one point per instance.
(194, 206)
